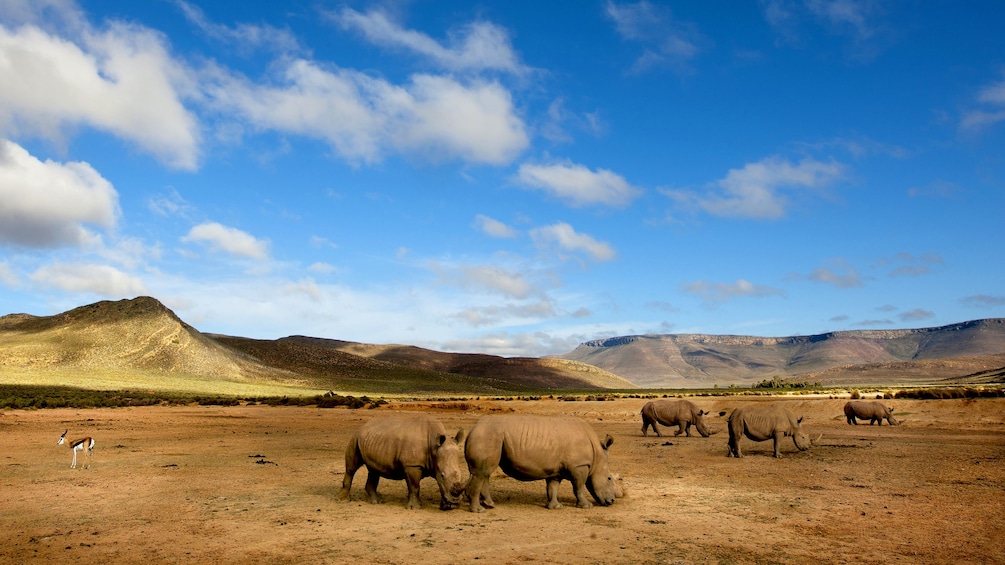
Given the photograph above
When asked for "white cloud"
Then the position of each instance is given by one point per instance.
(321, 267)
(578, 185)
(230, 240)
(491, 315)
(47, 204)
(123, 81)
(479, 46)
(756, 190)
(567, 239)
(499, 280)
(494, 228)
(7, 276)
(97, 279)
(363, 117)
(717, 293)
(666, 40)
(993, 110)
(242, 36)
(847, 279)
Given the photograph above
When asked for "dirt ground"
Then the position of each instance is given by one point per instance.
(260, 484)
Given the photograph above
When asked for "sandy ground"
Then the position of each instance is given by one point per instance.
(259, 484)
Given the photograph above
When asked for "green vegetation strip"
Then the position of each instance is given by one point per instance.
(33, 397)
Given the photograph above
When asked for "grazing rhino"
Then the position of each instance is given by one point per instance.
(761, 423)
(680, 413)
(532, 448)
(410, 449)
(871, 410)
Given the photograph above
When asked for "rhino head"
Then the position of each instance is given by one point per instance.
(601, 483)
(889, 416)
(699, 424)
(446, 457)
(800, 438)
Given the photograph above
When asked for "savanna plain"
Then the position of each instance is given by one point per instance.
(256, 483)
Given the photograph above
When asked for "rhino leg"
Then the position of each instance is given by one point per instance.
(552, 491)
(478, 493)
(413, 476)
(778, 444)
(852, 420)
(353, 461)
(646, 422)
(579, 476)
(733, 445)
(681, 429)
(372, 480)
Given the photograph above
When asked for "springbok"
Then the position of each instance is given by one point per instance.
(85, 444)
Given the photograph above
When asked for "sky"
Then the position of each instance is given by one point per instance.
(513, 178)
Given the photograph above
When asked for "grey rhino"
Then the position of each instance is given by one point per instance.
(871, 410)
(681, 413)
(406, 448)
(532, 448)
(761, 423)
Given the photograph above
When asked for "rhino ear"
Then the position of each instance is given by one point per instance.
(441, 440)
(459, 438)
(608, 441)
(800, 420)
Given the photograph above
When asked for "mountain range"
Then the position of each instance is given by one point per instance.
(843, 357)
(145, 341)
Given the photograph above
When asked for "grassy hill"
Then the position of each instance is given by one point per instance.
(141, 344)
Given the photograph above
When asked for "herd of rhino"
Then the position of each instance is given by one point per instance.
(548, 448)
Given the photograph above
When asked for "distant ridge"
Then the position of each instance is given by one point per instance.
(703, 360)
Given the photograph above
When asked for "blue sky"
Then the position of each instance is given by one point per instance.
(506, 177)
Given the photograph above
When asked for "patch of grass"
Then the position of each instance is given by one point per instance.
(949, 393)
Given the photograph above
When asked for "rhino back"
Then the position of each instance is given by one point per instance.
(399, 442)
(762, 422)
(534, 444)
(673, 411)
(868, 408)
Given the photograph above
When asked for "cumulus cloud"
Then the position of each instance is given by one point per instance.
(48, 204)
(363, 117)
(507, 344)
(578, 185)
(569, 240)
(102, 280)
(478, 46)
(909, 265)
(229, 240)
(717, 293)
(758, 189)
(123, 81)
(493, 227)
(665, 39)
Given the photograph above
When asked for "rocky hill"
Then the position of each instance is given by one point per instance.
(847, 357)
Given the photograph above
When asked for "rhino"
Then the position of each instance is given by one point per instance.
(761, 423)
(681, 413)
(871, 410)
(409, 449)
(533, 448)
